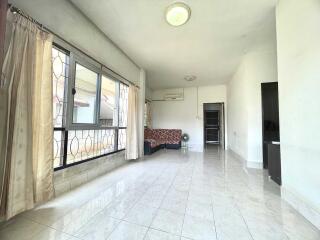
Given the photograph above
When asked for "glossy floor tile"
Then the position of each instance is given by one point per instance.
(171, 195)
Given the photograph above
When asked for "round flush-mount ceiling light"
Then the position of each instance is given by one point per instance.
(190, 78)
(178, 14)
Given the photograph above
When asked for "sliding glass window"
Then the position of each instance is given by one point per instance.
(84, 95)
(123, 115)
(108, 105)
(60, 78)
(90, 110)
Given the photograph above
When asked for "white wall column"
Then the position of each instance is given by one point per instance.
(298, 36)
(142, 91)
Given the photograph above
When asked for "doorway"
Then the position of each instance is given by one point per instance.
(213, 124)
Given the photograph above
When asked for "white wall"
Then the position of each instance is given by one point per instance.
(61, 17)
(237, 130)
(244, 103)
(298, 35)
(148, 94)
(184, 114)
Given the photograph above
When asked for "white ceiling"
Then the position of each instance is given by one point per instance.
(209, 46)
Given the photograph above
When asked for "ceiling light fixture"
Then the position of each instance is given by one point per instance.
(178, 14)
(190, 78)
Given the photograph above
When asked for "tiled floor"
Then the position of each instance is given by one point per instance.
(172, 195)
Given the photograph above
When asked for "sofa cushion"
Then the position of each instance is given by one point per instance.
(153, 142)
(174, 136)
(148, 133)
(164, 136)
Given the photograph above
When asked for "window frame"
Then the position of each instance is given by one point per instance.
(76, 57)
(117, 95)
(74, 60)
(66, 85)
(146, 115)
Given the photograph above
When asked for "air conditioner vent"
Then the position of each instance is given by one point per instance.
(173, 97)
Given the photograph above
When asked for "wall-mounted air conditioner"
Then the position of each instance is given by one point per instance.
(173, 97)
(173, 94)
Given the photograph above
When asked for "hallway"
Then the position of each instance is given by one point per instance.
(172, 195)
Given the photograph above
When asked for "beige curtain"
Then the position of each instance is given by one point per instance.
(132, 146)
(26, 103)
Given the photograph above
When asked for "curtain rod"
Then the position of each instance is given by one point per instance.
(16, 10)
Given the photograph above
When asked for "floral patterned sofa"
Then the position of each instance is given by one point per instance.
(155, 139)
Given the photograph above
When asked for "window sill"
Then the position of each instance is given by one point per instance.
(86, 160)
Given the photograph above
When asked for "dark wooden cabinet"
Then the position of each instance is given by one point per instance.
(270, 117)
(270, 130)
(274, 162)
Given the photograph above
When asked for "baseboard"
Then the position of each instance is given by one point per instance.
(302, 206)
(248, 164)
(256, 165)
(234, 153)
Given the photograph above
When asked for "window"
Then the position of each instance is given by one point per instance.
(89, 110)
(123, 110)
(60, 64)
(147, 114)
(108, 108)
(84, 95)
(60, 76)
(123, 105)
